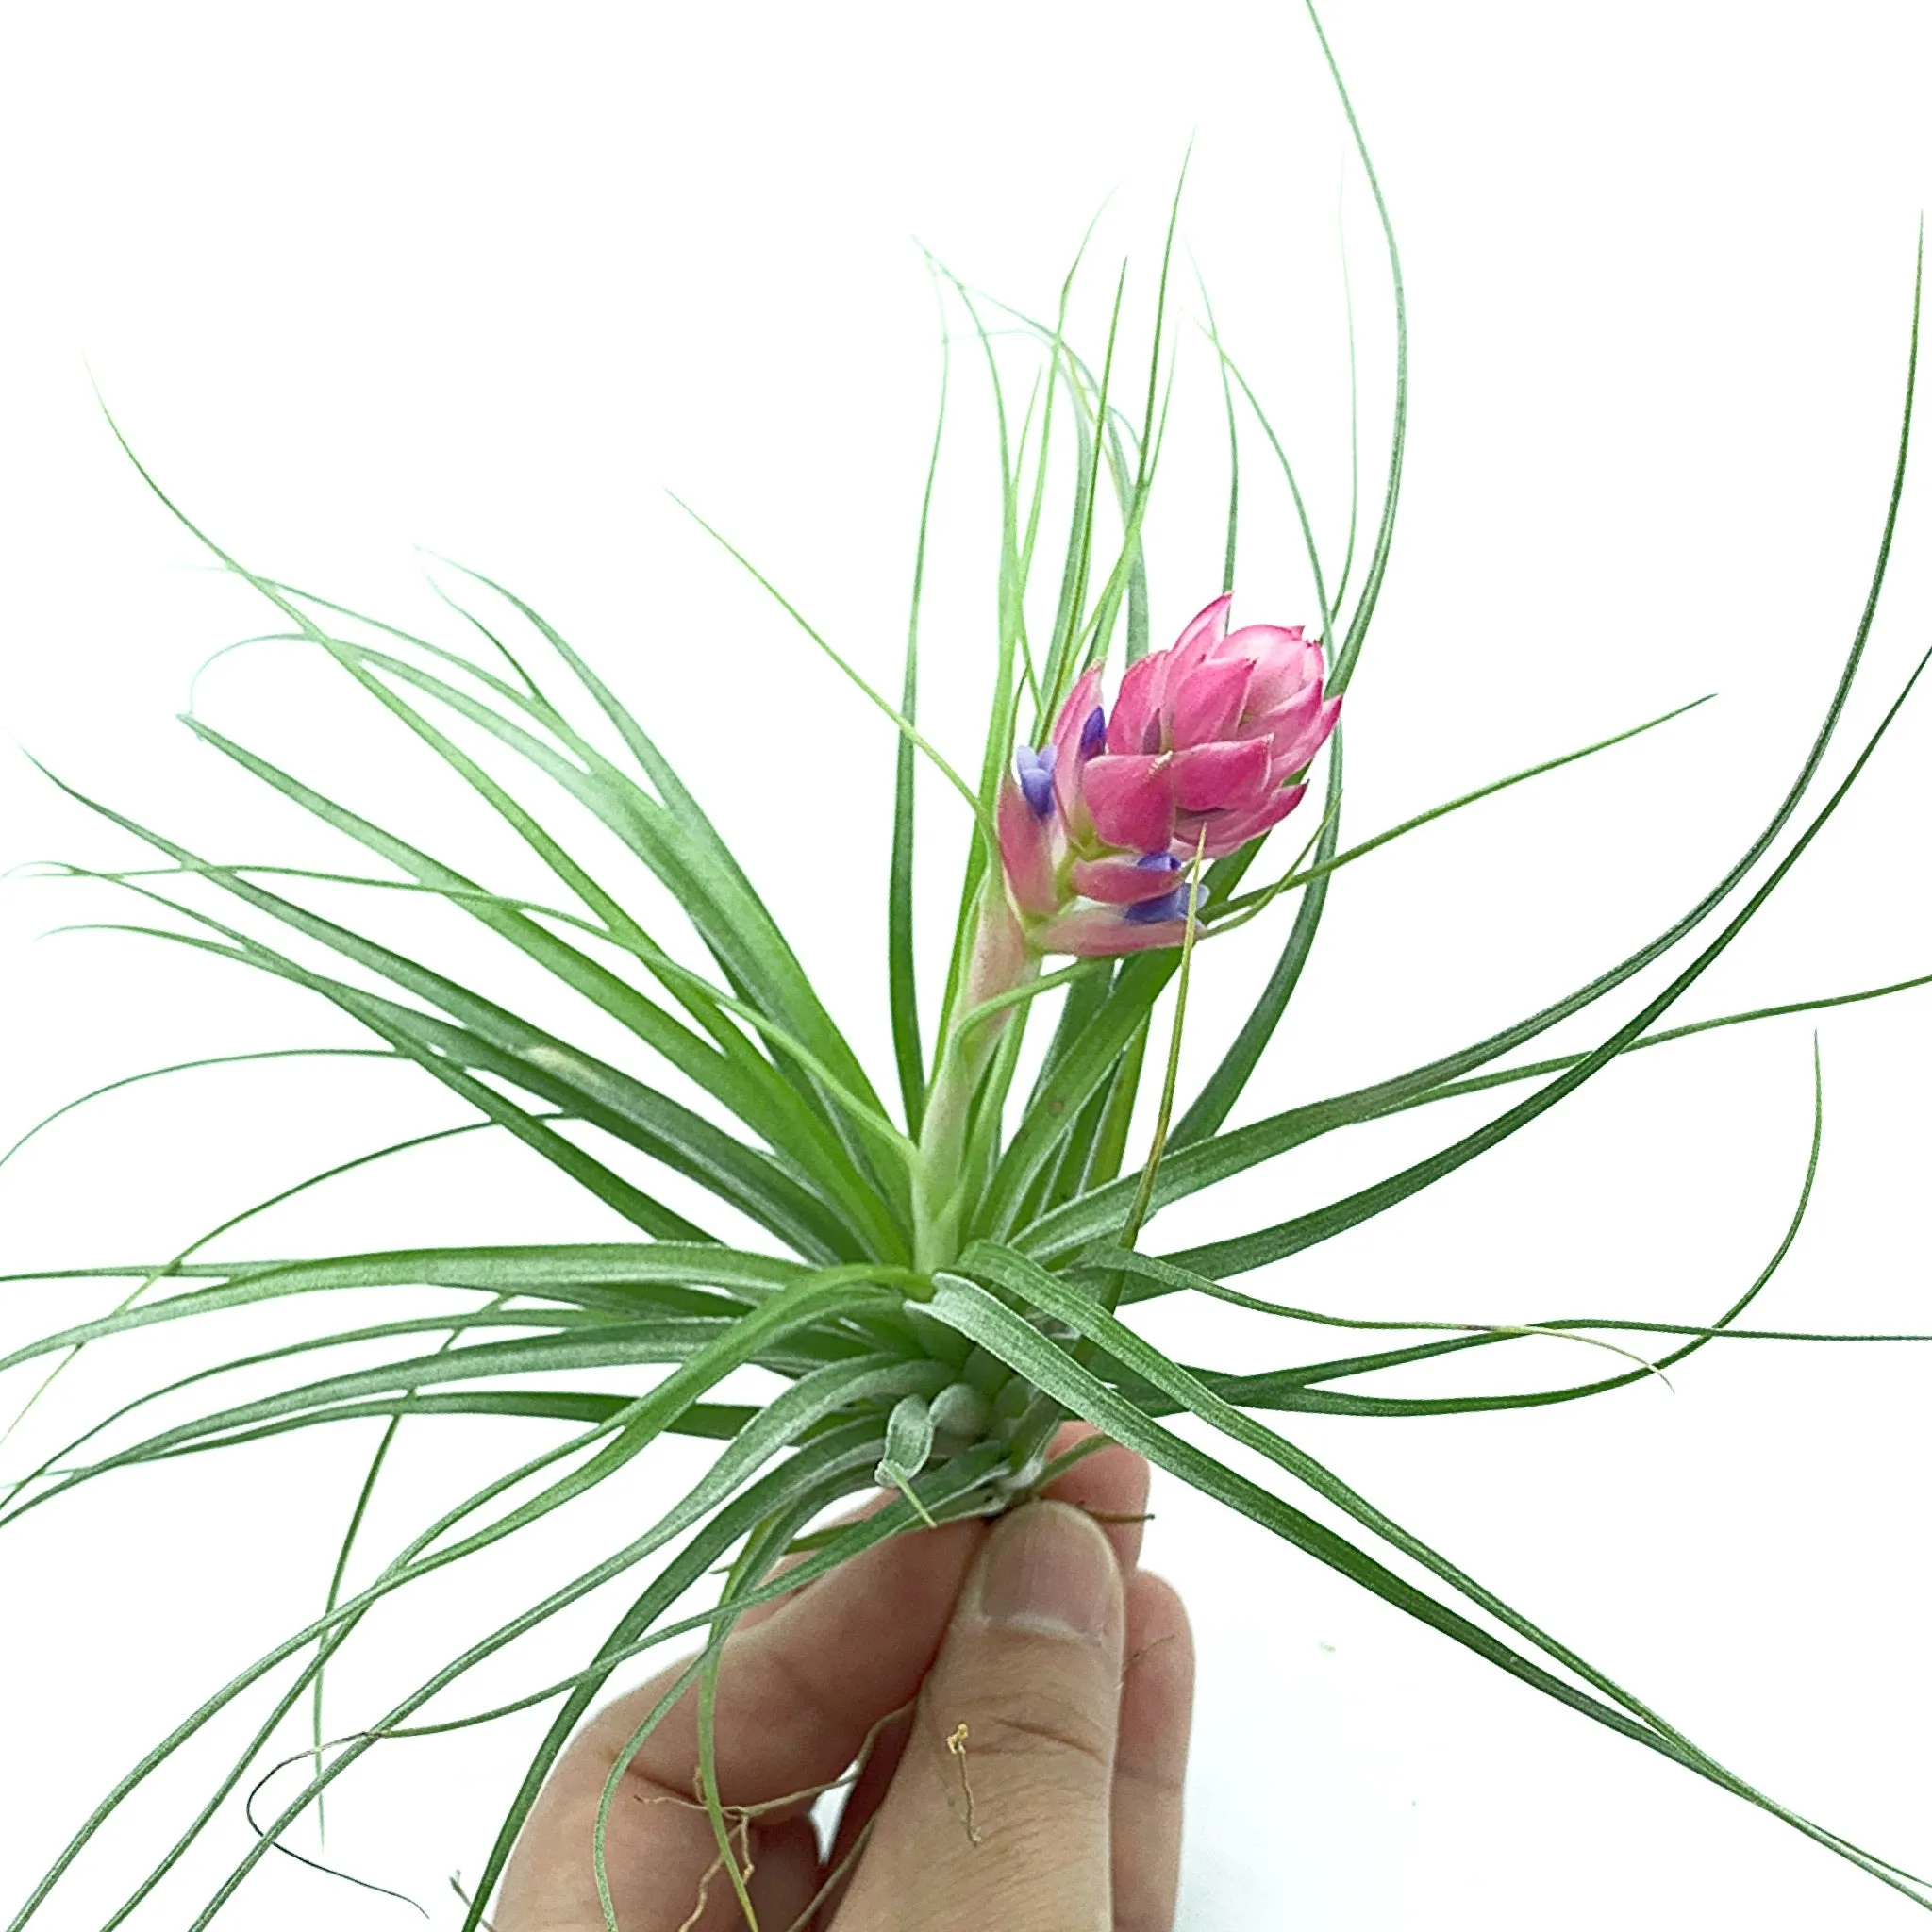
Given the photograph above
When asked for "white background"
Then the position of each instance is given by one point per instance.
(490, 281)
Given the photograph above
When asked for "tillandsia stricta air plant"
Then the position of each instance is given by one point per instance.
(934, 1282)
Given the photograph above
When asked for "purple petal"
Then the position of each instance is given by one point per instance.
(1171, 905)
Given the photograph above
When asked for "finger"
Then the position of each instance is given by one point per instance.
(1110, 1485)
(999, 1812)
(1156, 1706)
(795, 1699)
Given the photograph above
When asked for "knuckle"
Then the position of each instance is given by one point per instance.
(1043, 1727)
(1154, 1781)
(797, 1688)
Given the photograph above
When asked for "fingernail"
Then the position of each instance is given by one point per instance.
(1049, 1567)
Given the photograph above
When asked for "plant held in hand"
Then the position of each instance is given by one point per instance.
(930, 1287)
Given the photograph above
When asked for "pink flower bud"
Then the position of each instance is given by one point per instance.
(1203, 753)
(1206, 738)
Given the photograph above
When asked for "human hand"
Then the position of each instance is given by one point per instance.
(1034, 1786)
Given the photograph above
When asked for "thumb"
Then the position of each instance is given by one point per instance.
(998, 1812)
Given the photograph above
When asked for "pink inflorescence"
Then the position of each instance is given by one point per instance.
(1204, 753)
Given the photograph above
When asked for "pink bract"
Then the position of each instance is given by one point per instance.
(1206, 736)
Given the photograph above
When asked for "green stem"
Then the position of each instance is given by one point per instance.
(1000, 962)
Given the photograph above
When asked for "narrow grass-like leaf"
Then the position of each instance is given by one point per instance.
(364, 1740)
(552, 1272)
(678, 843)
(492, 1039)
(725, 1066)
(345, 1551)
(1454, 1090)
(1233, 909)
(963, 1304)
(1231, 550)
(669, 1339)
(675, 837)
(904, 724)
(845, 1183)
(1398, 431)
(634, 1632)
(232, 1221)
(1259, 1390)
(1083, 1069)
(760, 1438)
(901, 968)
(1243, 1252)
(219, 1060)
(803, 1302)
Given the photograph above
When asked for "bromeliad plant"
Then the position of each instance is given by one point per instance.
(932, 1288)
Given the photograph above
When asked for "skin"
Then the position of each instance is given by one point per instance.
(1070, 1669)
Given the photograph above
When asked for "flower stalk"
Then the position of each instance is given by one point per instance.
(999, 960)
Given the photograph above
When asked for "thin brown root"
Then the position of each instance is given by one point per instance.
(742, 1818)
(1120, 1516)
(697, 1911)
(747, 1867)
(1134, 1657)
(955, 1744)
(809, 1795)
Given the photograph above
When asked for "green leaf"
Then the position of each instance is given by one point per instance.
(803, 1302)
(1205, 1161)
(683, 847)
(220, 1059)
(667, 1338)
(490, 1039)
(763, 1437)
(901, 966)
(558, 1273)
(673, 838)
(979, 1314)
(1292, 1388)
(711, 1421)
(730, 1070)
(908, 1443)
(1211, 1106)
(1234, 444)
(1243, 1252)
(634, 1632)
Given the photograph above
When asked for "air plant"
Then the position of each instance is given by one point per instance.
(937, 1281)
